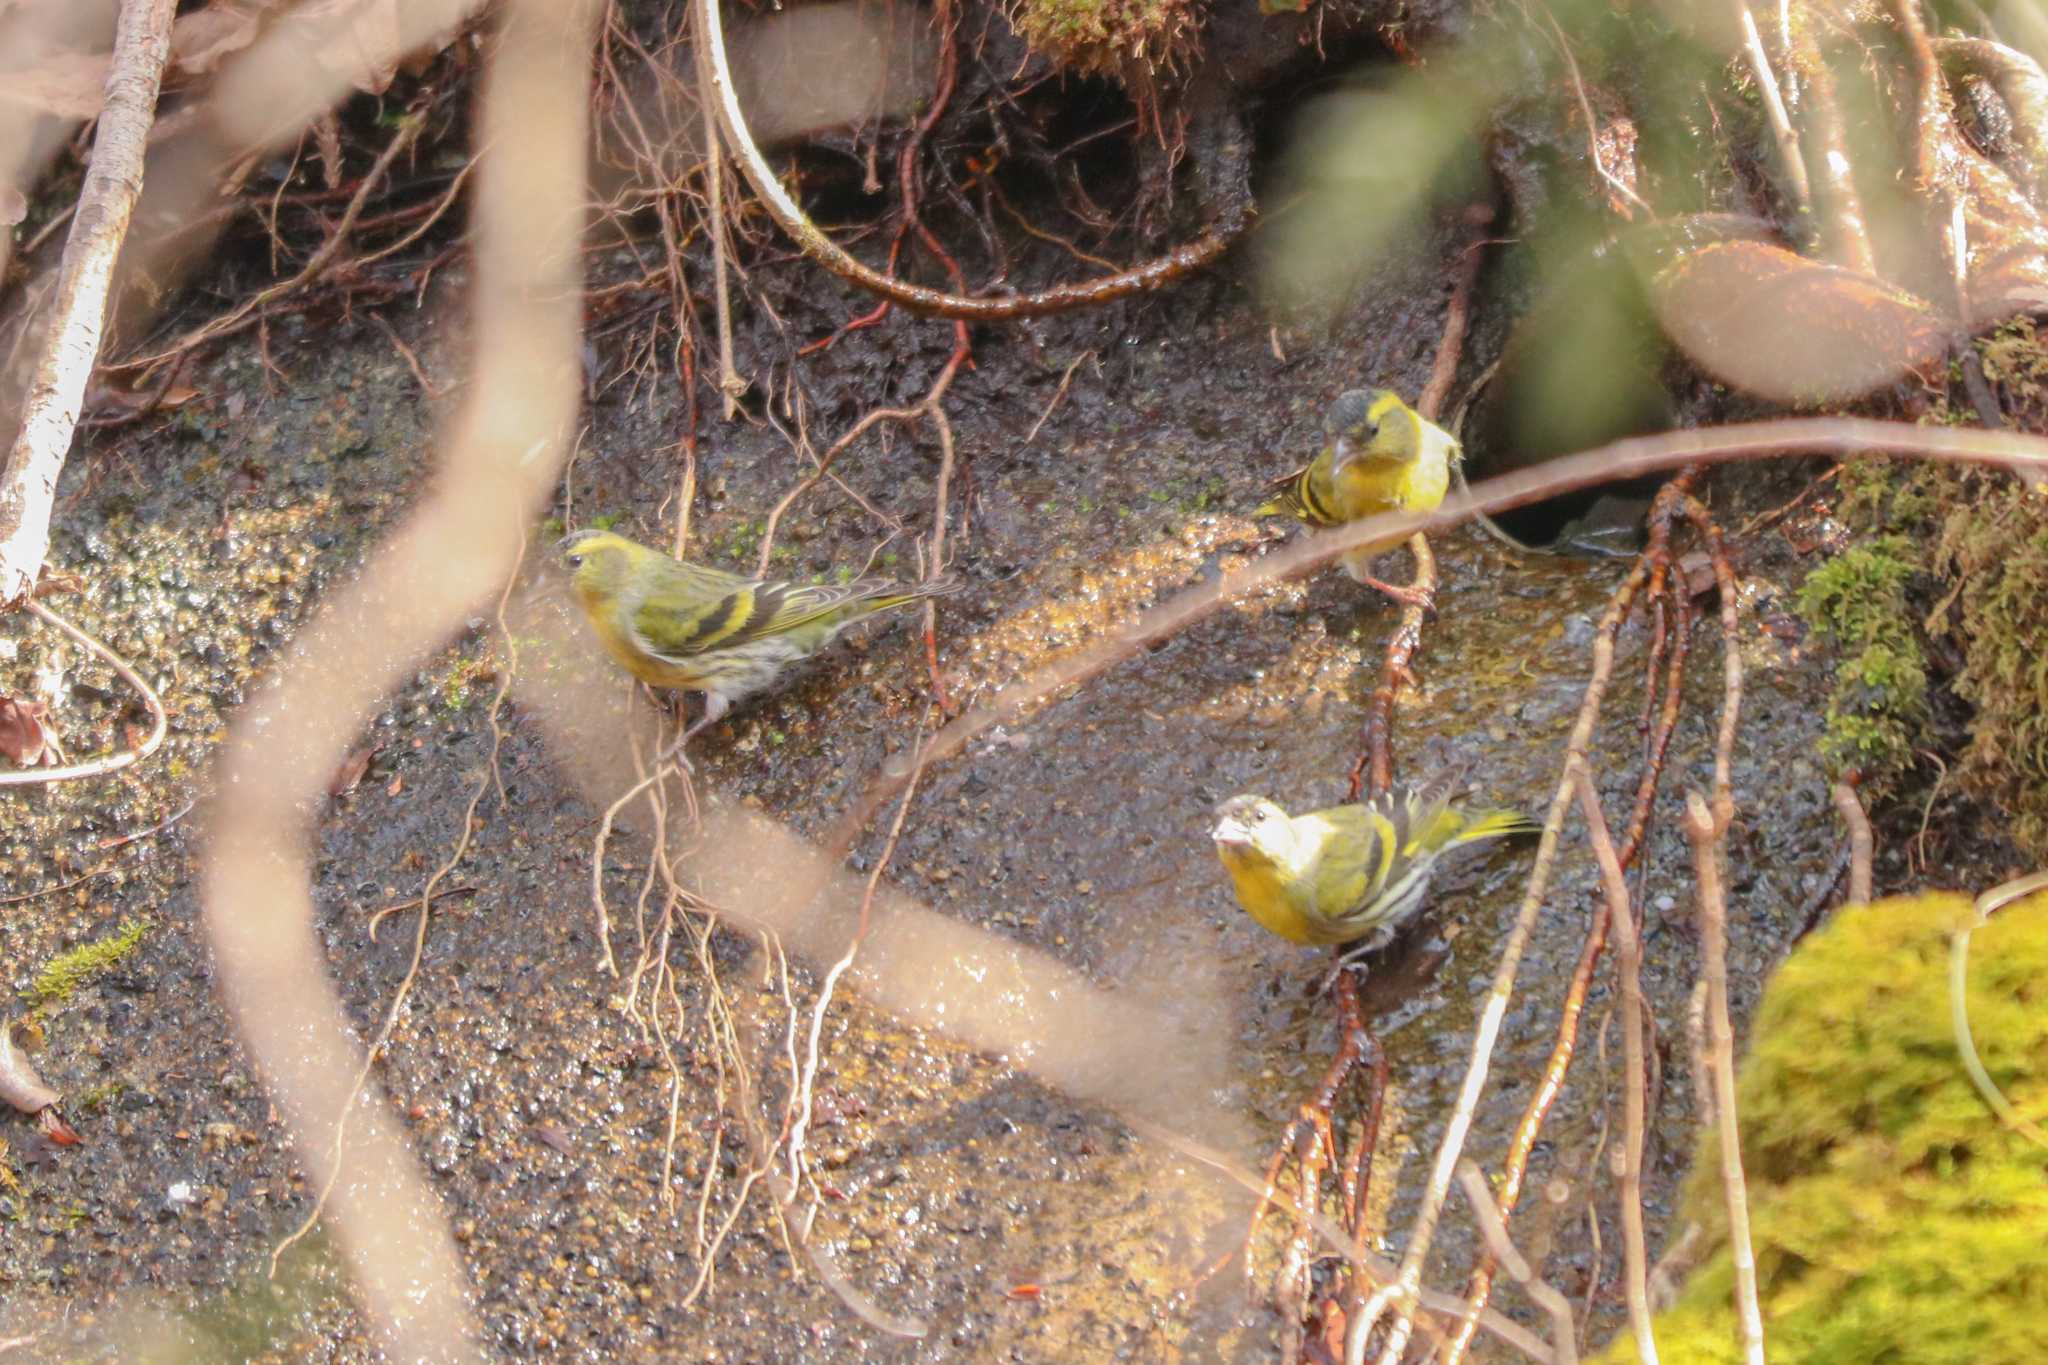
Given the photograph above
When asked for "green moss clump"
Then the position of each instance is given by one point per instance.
(1857, 603)
(66, 972)
(1893, 1216)
(1127, 38)
(1979, 540)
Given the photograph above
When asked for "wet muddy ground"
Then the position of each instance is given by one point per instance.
(1015, 1221)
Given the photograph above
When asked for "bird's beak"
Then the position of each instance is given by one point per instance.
(1342, 452)
(1231, 832)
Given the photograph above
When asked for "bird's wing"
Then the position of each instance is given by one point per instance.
(1355, 855)
(707, 610)
(1304, 495)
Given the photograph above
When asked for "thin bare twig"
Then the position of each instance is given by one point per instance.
(1502, 990)
(403, 992)
(121, 758)
(1774, 110)
(113, 182)
(1628, 964)
(1153, 275)
(254, 307)
(730, 384)
(1987, 905)
(1705, 831)
(1652, 569)
(1564, 1345)
(1731, 661)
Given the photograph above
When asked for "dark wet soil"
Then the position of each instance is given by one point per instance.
(1019, 1223)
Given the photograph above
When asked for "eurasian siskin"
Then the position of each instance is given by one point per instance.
(1336, 875)
(675, 624)
(1379, 455)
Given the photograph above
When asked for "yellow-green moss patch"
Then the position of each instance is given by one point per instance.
(66, 972)
(1894, 1217)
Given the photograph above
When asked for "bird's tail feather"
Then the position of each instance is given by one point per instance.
(884, 595)
(1496, 824)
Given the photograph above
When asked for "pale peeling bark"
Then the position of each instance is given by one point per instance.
(113, 182)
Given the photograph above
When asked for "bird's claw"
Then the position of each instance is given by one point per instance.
(1411, 597)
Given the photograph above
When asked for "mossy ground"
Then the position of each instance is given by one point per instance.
(1130, 38)
(1944, 593)
(66, 972)
(1893, 1216)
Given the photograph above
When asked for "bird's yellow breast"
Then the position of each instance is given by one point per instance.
(1262, 891)
(609, 615)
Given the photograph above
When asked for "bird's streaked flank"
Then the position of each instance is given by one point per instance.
(1334, 876)
(676, 624)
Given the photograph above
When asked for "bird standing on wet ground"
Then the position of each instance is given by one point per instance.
(1337, 875)
(682, 625)
(1379, 455)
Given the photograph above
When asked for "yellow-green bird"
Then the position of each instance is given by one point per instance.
(1336, 875)
(675, 624)
(1379, 455)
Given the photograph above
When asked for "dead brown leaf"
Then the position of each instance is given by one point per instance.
(1782, 327)
(203, 39)
(24, 737)
(56, 1127)
(351, 771)
(20, 1086)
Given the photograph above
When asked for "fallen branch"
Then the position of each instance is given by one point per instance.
(113, 182)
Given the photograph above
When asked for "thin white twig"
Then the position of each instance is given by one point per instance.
(111, 763)
(113, 182)
(1628, 963)
(1774, 110)
(1564, 1342)
(1705, 833)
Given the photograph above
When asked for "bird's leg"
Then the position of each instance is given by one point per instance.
(1352, 961)
(715, 707)
(664, 700)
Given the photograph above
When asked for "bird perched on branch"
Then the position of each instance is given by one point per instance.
(1379, 455)
(1336, 875)
(675, 624)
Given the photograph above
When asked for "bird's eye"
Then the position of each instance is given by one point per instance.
(575, 561)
